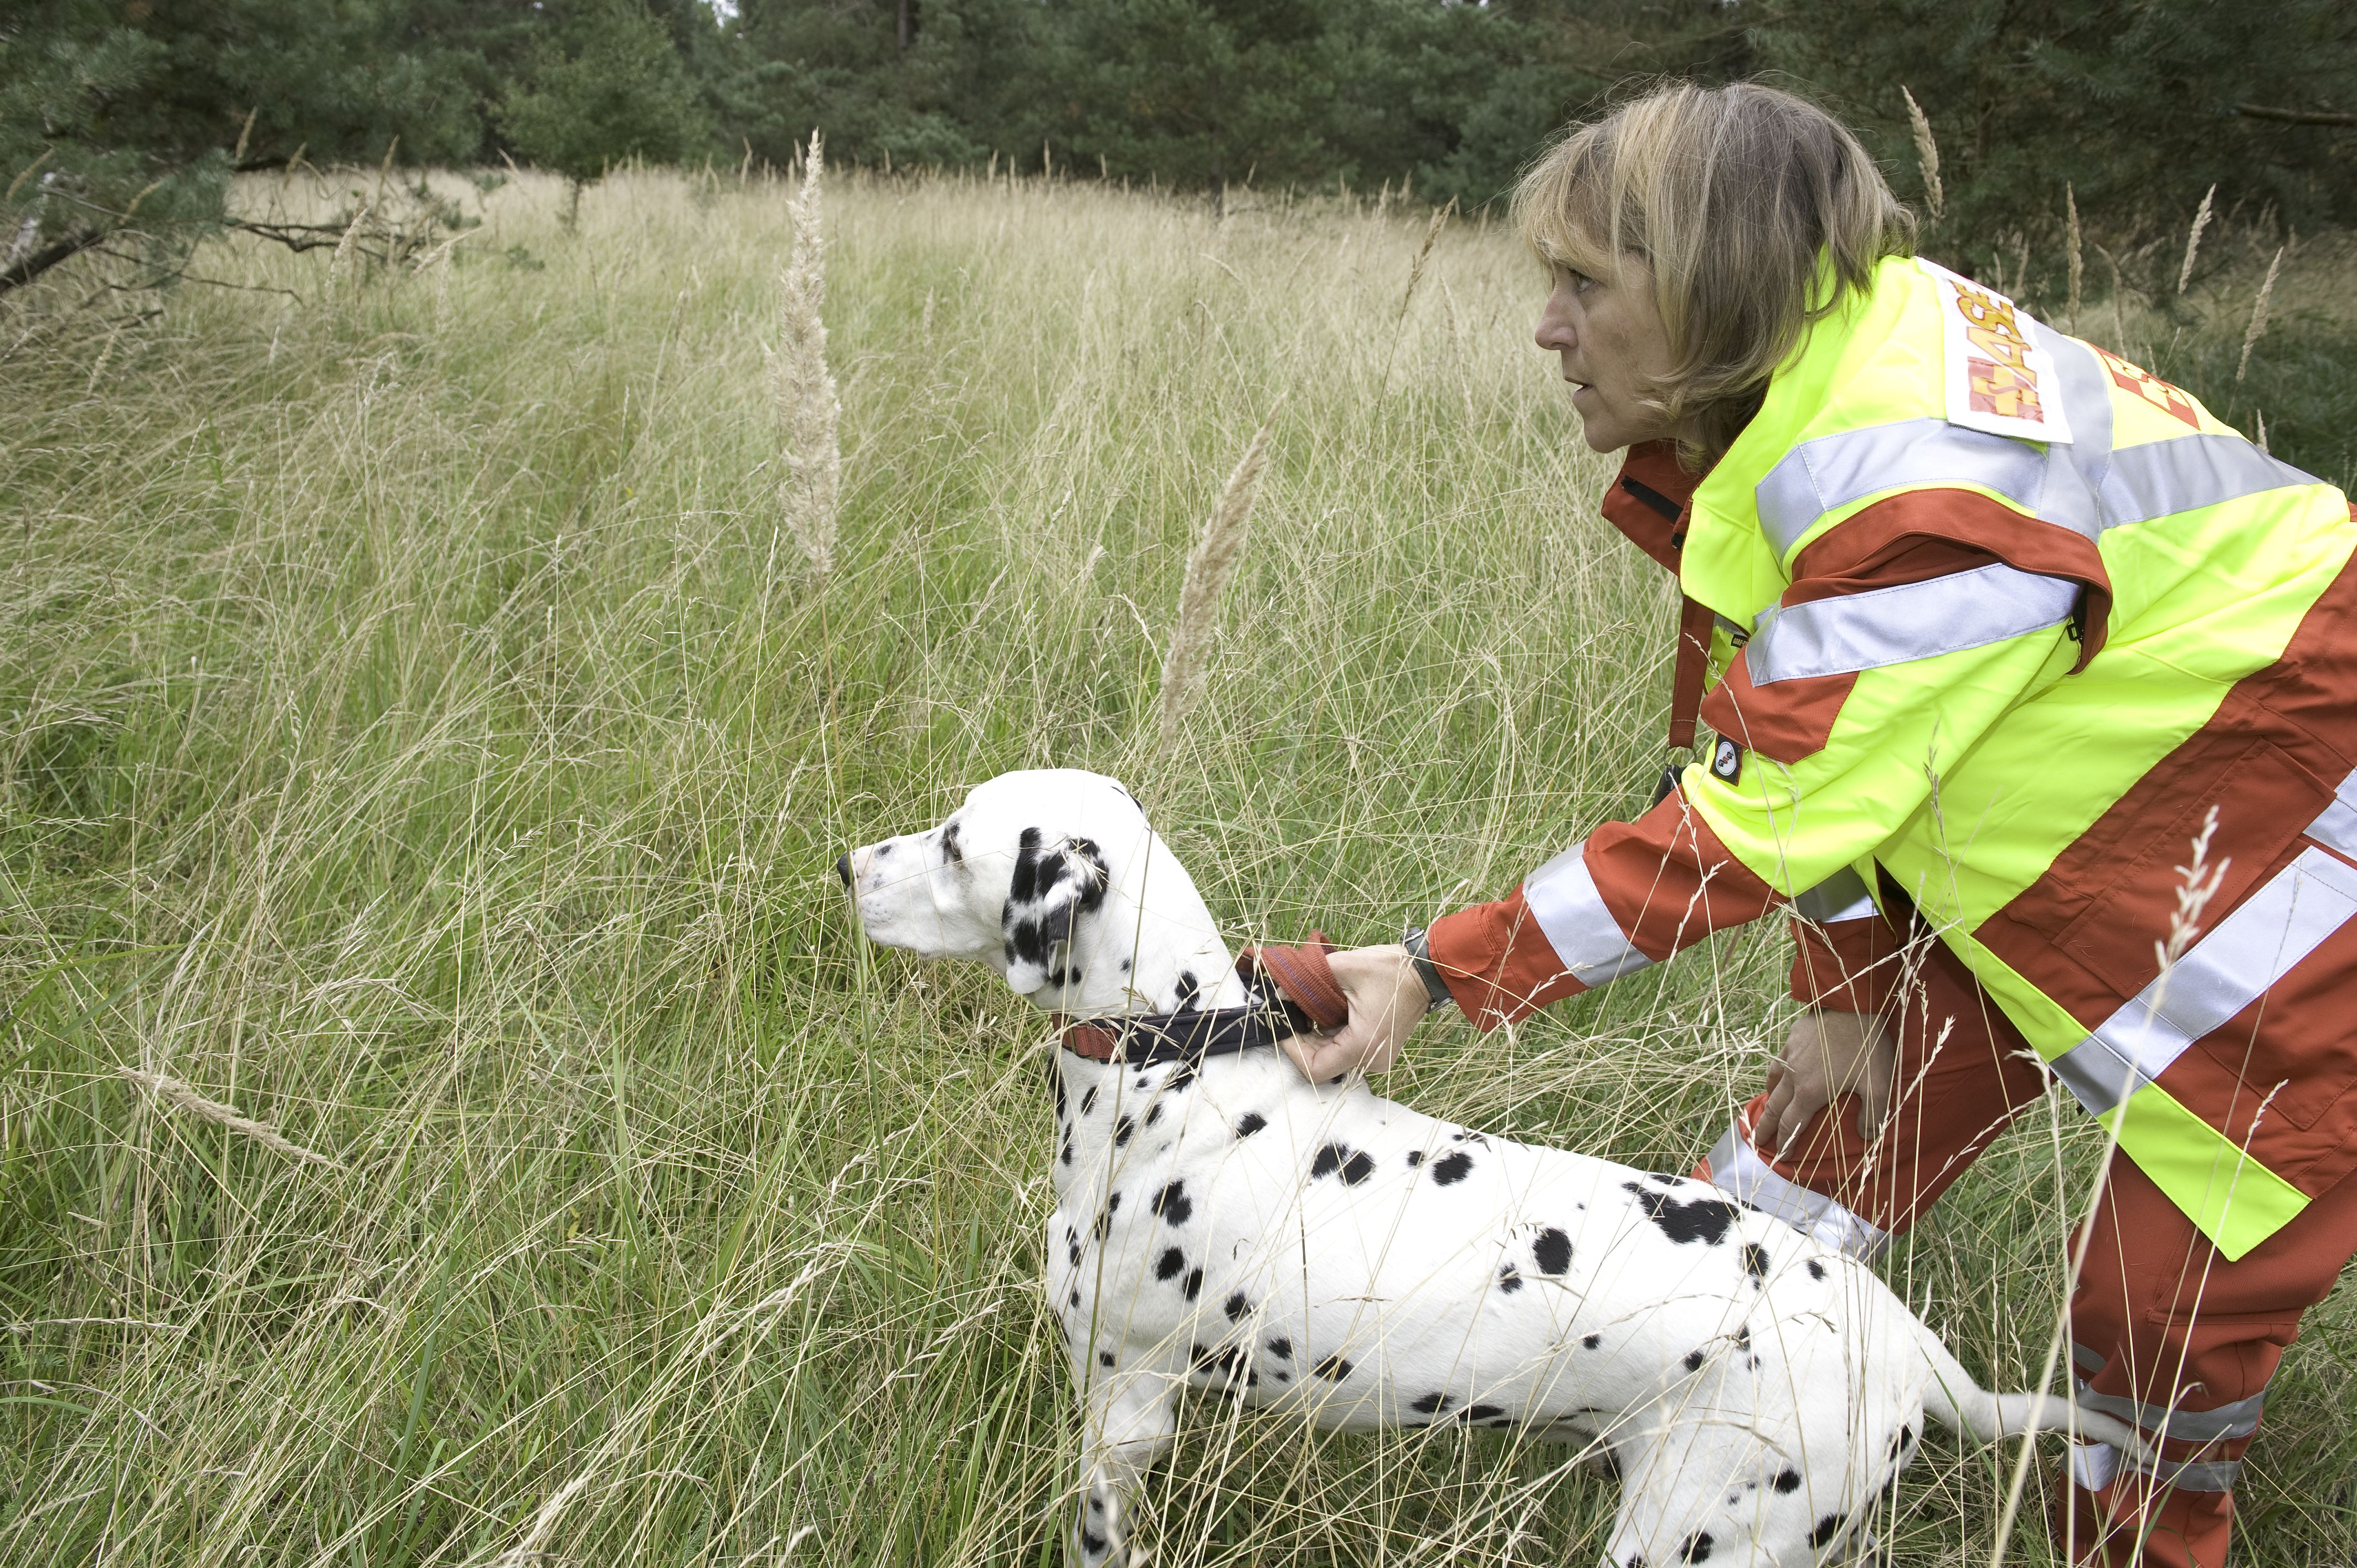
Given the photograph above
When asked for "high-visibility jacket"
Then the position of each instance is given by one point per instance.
(1989, 621)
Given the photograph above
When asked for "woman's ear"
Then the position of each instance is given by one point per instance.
(1052, 888)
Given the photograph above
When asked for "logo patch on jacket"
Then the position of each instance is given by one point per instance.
(1727, 762)
(2151, 388)
(1999, 377)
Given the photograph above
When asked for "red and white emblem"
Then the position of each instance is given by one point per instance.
(1999, 377)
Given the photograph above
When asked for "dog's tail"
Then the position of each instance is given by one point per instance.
(1954, 1399)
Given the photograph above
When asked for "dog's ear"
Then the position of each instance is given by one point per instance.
(1053, 886)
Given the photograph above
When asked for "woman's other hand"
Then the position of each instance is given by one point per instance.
(1826, 1056)
(1387, 1001)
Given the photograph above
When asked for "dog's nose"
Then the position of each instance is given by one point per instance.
(842, 868)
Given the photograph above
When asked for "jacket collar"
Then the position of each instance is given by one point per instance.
(1648, 501)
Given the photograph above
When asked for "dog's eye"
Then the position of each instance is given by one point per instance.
(952, 851)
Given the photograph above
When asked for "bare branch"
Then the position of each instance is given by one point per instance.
(61, 249)
(2294, 116)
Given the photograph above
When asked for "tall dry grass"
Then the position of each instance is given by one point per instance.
(809, 411)
(408, 752)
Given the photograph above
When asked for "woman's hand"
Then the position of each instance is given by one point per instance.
(1387, 1001)
(1826, 1056)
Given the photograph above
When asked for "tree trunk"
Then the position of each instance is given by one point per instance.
(908, 24)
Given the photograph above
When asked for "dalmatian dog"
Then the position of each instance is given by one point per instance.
(1221, 1223)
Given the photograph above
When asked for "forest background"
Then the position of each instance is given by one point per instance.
(2137, 107)
(122, 122)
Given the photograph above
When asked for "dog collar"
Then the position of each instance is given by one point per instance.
(1147, 1038)
(1307, 999)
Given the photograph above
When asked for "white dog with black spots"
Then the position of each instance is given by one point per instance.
(1226, 1224)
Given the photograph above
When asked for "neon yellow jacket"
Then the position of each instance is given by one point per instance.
(1998, 619)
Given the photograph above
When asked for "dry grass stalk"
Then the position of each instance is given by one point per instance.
(2119, 296)
(1208, 570)
(172, 1092)
(1415, 268)
(1415, 275)
(809, 413)
(1927, 153)
(2078, 264)
(2260, 416)
(2193, 238)
(2198, 882)
(344, 246)
(2258, 315)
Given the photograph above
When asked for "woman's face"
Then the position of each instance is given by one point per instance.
(1612, 342)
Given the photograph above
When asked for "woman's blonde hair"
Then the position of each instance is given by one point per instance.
(1735, 196)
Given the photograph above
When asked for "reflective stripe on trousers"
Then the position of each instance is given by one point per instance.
(2230, 967)
(1739, 1172)
(2094, 1465)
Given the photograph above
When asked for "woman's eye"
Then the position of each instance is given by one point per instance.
(1581, 282)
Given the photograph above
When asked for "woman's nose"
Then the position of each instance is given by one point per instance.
(1554, 331)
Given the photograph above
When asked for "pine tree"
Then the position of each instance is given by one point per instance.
(2135, 105)
(120, 124)
(616, 88)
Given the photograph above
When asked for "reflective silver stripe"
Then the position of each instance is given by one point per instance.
(2082, 467)
(1563, 901)
(2087, 1360)
(1741, 1174)
(2136, 484)
(2225, 972)
(2194, 1475)
(2187, 472)
(1841, 897)
(1817, 477)
(1913, 620)
(2337, 825)
(2093, 1466)
(2237, 1419)
(2083, 485)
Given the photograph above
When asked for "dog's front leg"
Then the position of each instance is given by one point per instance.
(1128, 1426)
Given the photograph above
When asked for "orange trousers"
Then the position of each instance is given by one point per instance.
(2164, 1332)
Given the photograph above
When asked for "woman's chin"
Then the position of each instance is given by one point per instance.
(1601, 436)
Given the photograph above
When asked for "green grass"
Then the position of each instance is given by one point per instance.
(421, 737)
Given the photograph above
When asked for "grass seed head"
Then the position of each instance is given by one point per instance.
(172, 1092)
(1207, 569)
(809, 412)
(2077, 262)
(2193, 238)
(1927, 153)
(2258, 315)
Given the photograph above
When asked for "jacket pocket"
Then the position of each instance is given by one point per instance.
(2126, 904)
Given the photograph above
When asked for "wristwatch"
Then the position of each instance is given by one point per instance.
(1436, 989)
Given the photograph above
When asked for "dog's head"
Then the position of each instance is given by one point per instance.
(1055, 879)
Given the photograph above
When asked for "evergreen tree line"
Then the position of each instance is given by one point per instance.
(126, 120)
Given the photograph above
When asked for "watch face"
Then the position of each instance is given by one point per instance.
(1727, 762)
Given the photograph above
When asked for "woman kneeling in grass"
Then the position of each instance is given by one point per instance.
(1993, 631)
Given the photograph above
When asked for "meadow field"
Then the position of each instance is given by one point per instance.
(424, 736)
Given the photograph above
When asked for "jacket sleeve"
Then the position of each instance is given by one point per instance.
(1906, 632)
